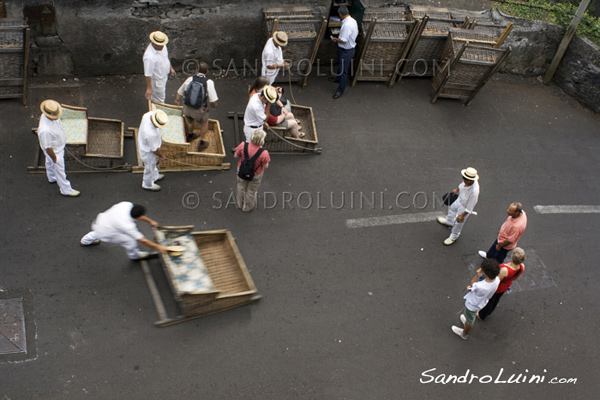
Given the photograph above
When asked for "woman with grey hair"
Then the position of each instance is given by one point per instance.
(508, 273)
(248, 183)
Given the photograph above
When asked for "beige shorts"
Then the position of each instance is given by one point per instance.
(198, 115)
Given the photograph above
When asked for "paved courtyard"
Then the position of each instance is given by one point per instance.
(359, 292)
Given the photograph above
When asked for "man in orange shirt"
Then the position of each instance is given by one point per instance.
(511, 231)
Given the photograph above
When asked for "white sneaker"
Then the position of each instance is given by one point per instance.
(463, 319)
(160, 177)
(443, 221)
(448, 242)
(459, 332)
(74, 193)
(482, 254)
(144, 255)
(154, 188)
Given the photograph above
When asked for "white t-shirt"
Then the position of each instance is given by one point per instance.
(348, 33)
(156, 63)
(116, 220)
(255, 112)
(271, 55)
(210, 88)
(149, 139)
(480, 294)
(468, 196)
(51, 134)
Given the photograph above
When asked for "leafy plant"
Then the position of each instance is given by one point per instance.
(561, 14)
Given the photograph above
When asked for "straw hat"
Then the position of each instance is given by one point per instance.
(270, 93)
(470, 174)
(51, 109)
(159, 38)
(159, 118)
(281, 38)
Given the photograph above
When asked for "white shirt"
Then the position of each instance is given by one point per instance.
(271, 55)
(255, 112)
(210, 88)
(348, 33)
(149, 139)
(480, 294)
(156, 63)
(117, 220)
(468, 196)
(51, 134)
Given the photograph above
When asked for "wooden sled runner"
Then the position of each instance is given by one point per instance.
(93, 144)
(209, 277)
(181, 155)
(277, 140)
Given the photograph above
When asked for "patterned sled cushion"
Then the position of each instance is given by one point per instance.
(75, 124)
(188, 270)
(174, 132)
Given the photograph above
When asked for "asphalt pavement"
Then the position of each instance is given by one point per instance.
(348, 311)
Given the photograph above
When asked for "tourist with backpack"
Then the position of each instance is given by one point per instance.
(196, 92)
(253, 160)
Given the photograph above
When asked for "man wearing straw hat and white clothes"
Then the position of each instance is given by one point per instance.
(458, 212)
(53, 139)
(157, 67)
(255, 116)
(149, 142)
(272, 56)
(117, 225)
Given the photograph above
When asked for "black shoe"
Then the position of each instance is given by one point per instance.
(337, 95)
(202, 145)
(94, 243)
(334, 80)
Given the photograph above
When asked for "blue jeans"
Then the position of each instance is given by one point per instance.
(345, 57)
(495, 254)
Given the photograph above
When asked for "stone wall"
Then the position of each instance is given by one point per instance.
(578, 74)
(108, 37)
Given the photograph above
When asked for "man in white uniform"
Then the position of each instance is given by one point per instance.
(458, 212)
(117, 225)
(157, 67)
(53, 139)
(272, 56)
(254, 116)
(149, 142)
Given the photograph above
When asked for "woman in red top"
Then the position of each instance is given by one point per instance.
(246, 190)
(508, 273)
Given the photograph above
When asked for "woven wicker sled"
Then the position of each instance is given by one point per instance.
(424, 56)
(385, 43)
(277, 139)
(14, 58)
(181, 155)
(305, 32)
(470, 60)
(93, 144)
(209, 277)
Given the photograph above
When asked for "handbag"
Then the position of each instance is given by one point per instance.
(449, 198)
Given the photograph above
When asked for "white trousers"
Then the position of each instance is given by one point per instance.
(56, 172)
(248, 131)
(129, 243)
(454, 211)
(150, 170)
(159, 88)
